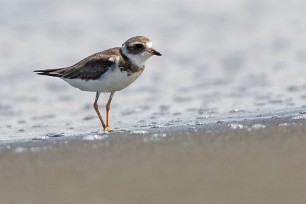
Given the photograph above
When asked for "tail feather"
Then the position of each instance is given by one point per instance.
(49, 72)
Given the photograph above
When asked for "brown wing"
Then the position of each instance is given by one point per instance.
(91, 67)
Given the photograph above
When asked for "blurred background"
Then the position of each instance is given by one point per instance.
(220, 59)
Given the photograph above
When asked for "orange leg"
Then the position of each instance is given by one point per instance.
(96, 107)
(107, 111)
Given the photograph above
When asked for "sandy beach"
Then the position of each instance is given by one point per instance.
(258, 165)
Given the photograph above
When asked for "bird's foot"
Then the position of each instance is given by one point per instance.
(108, 129)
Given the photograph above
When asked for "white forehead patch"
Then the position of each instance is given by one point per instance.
(133, 43)
(149, 44)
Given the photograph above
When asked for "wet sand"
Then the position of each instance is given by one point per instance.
(258, 165)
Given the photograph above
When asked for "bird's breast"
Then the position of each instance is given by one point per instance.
(118, 79)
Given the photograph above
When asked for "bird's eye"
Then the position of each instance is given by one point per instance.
(139, 46)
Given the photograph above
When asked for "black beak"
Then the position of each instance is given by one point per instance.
(154, 52)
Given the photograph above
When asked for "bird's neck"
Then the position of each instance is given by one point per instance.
(137, 59)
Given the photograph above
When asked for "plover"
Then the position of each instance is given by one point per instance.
(107, 71)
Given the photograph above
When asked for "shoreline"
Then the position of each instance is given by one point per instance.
(249, 121)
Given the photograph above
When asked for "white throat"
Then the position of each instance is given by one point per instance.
(138, 59)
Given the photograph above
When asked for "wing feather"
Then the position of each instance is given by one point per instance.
(89, 68)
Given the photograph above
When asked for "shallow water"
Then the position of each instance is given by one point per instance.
(221, 59)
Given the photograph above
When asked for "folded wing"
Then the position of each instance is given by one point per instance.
(89, 68)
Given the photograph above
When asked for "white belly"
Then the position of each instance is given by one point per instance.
(110, 81)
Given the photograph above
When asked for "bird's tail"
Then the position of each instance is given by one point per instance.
(49, 72)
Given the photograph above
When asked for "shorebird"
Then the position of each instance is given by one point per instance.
(108, 71)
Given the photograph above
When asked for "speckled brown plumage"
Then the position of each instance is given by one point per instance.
(94, 66)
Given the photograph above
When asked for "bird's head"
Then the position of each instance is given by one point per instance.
(138, 50)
